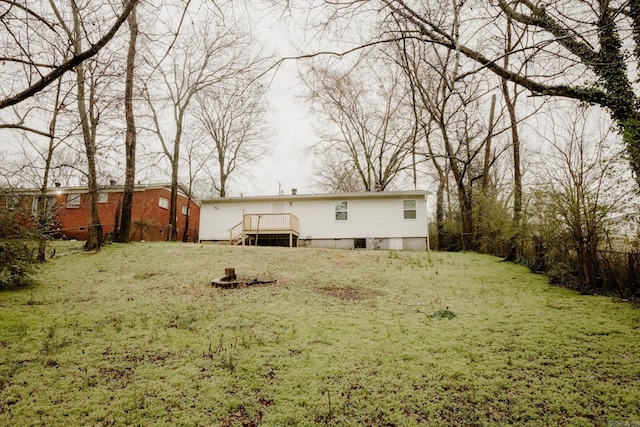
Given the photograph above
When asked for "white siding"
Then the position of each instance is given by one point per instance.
(378, 216)
(366, 218)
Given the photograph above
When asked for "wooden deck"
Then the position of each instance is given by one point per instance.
(248, 231)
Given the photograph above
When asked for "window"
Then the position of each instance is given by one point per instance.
(103, 197)
(164, 203)
(185, 210)
(12, 201)
(341, 211)
(50, 205)
(409, 207)
(73, 200)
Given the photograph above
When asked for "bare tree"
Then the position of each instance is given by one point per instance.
(93, 80)
(572, 49)
(510, 97)
(335, 175)
(45, 215)
(89, 122)
(196, 160)
(124, 231)
(583, 188)
(199, 58)
(37, 160)
(232, 115)
(369, 132)
(447, 104)
(29, 28)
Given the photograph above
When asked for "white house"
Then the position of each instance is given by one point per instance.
(367, 220)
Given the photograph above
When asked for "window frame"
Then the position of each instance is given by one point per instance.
(71, 200)
(12, 201)
(103, 197)
(50, 204)
(339, 209)
(186, 210)
(161, 204)
(406, 210)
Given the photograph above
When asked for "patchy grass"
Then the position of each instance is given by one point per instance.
(136, 335)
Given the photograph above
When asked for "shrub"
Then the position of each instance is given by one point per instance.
(619, 273)
(17, 241)
(16, 263)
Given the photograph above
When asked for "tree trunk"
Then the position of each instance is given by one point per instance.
(222, 176)
(94, 238)
(514, 242)
(486, 181)
(185, 233)
(124, 233)
(487, 148)
(173, 208)
(440, 213)
(465, 199)
(175, 164)
(588, 258)
(44, 217)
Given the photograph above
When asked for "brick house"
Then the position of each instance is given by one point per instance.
(150, 215)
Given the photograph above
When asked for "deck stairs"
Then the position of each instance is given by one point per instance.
(248, 231)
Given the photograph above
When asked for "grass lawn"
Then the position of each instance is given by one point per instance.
(136, 335)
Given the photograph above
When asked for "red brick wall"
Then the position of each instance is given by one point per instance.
(149, 221)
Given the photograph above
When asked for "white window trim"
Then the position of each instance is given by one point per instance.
(73, 200)
(186, 210)
(414, 210)
(103, 197)
(161, 204)
(345, 211)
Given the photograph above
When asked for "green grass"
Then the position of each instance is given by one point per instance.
(136, 335)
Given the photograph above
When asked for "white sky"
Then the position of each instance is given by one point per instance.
(288, 165)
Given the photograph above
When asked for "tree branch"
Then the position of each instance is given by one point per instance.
(25, 128)
(71, 63)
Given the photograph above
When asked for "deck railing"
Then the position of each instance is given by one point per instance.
(269, 223)
(236, 232)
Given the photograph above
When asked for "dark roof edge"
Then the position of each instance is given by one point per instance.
(323, 196)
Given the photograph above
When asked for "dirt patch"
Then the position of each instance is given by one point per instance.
(350, 293)
(207, 290)
(242, 418)
(115, 374)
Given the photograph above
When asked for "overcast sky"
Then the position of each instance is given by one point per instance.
(288, 165)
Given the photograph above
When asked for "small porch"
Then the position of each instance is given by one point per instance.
(268, 229)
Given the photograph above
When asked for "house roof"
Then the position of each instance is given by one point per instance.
(324, 196)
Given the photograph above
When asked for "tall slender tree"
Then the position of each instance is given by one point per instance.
(89, 124)
(124, 232)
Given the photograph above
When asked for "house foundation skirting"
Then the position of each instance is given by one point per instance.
(370, 243)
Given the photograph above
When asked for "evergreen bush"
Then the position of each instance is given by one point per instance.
(16, 263)
(17, 241)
